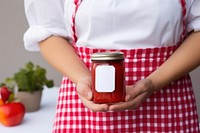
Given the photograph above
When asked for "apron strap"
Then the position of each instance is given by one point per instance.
(184, 15)
(182, 36)
(73, 26)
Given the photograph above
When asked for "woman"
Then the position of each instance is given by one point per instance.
(161, 43)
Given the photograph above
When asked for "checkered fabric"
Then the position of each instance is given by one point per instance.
(171, 110)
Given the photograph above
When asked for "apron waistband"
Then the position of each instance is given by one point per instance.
(133, 53)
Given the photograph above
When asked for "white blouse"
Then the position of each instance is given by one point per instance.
(120, 24)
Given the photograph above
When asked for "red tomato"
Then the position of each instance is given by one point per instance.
(4, 93)
(12, 114)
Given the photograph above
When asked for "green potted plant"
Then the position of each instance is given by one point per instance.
(30, 81)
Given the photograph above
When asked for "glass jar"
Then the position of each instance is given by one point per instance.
(108, 77)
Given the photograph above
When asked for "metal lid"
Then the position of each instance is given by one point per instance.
(108, 56)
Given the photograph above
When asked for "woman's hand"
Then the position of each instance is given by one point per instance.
(135, 95)
(67, 61)
(85, 94)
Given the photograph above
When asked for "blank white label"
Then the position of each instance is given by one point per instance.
(105, 78)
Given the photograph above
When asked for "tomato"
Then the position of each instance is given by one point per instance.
(12, 114)
(4, 93)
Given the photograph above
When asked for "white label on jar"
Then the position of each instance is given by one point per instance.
(105, 78)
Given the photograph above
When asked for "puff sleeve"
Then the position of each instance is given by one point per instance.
(45, 18)
(194, 16)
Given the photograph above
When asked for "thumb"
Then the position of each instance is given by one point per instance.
(84, 89)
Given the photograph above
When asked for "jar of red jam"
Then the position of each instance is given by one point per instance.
(108, 77)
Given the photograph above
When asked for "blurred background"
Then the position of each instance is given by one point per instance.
(13, 56)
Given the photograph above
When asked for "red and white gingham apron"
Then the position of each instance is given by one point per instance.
(170, 110)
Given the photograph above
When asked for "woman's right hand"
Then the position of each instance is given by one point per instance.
(84, 91)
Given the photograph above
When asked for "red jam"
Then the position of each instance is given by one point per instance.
(108, 77)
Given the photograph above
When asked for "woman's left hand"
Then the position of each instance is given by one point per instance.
(135, 95)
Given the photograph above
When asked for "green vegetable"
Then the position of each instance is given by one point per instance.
(31, 78)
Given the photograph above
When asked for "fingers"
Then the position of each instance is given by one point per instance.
(135, 95)
(85, 94)
(133, 91)
(92, 106)
(84, 89)
(143, 86)
(132, 104)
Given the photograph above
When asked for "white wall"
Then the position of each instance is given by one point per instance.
(13, 56)
(12, 53)
(195, 75)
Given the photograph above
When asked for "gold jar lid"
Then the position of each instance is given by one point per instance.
(107, 56)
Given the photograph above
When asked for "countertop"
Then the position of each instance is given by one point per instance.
(40, 121)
